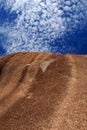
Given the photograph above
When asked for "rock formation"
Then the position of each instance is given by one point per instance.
(43, 91)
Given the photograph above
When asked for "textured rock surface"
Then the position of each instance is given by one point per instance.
(43, 91)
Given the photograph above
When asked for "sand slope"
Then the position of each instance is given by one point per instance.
(43, 91)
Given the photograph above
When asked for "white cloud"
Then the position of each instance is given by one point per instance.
(40, 22)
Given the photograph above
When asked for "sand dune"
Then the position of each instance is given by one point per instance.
(43, 91)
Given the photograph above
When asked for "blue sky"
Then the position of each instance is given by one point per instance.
(58, 26)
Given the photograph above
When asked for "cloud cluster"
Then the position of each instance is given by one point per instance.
(40, 22)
